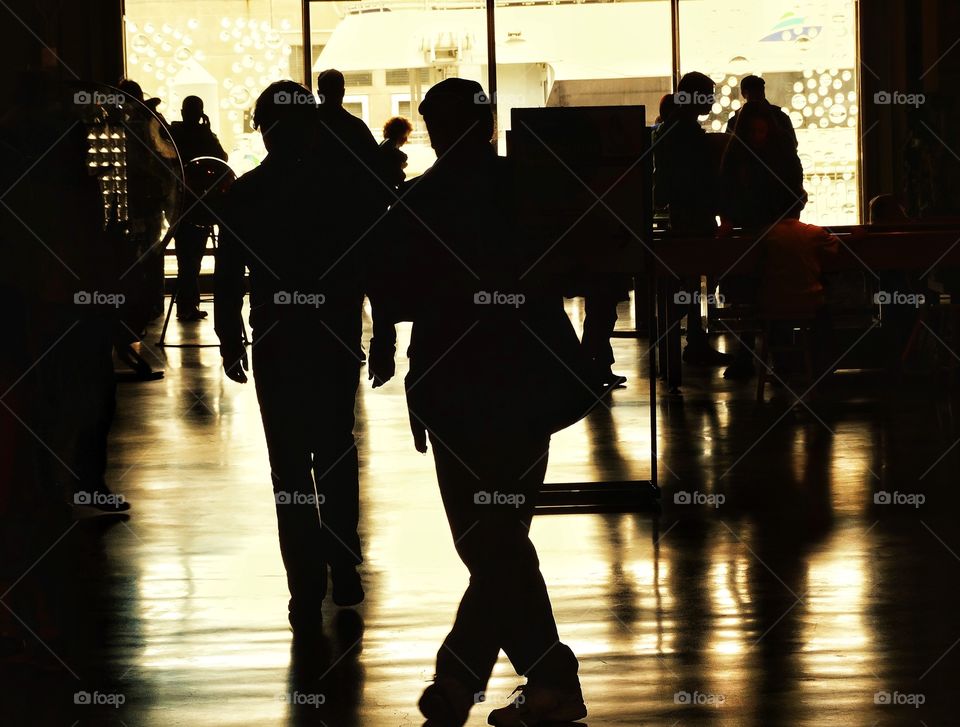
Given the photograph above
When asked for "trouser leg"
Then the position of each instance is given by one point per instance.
(190, 243)
(336, 469)
(598, 325)
(285, 408)
(489, 498)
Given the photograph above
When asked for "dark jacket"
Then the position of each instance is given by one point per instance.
(781, 117)
(196, 140)
(685, 176)
(303, 235)
(491, 352)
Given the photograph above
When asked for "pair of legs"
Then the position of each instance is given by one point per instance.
(602, 295)
(79, 389)
(190, 243)
(306, 385)
(598, 324)
(489, 487)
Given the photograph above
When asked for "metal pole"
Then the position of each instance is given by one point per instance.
(492, 69)
(307, 47)
(675, 40)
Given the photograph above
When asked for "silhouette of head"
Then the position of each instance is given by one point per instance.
(131, 88)
(285, 114)
(753, 88)
(331, 87)
(667, 107)
(886, 210)
(397, 130)
(457, 112)
(191, 110)
(694, 95)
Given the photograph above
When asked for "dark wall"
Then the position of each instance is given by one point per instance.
(82, 37)
(911, 149)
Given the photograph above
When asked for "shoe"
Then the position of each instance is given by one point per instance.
(191, 315)
(602, 376)
(306, 622)
(447, 702)
(540, 705)
(615, 381)
(703, 355)
(347, 588)
(739, 369)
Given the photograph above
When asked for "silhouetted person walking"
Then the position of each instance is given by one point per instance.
(479, 385)
(194, 138)
(305, 312)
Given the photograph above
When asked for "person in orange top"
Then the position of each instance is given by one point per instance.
(790, 283)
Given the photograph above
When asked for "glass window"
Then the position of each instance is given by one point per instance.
(225, 52)
(548, 54)
(581, 54)
(808, 57)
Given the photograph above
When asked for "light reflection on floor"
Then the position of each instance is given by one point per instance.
(796, 601)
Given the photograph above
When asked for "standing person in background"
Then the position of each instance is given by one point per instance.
(761, 173)
(686, 182)
(753, 89)
(151, 179)
(762, 183)
(194, 138)
(342, 135)
(395, 134)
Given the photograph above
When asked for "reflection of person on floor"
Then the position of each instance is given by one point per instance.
(305, 311)
(686, 182)
(194, 138)
(477, 386)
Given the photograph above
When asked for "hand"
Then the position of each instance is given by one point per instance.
(381, 365)
(235, 363)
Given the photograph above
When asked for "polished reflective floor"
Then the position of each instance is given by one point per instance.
(803, 570)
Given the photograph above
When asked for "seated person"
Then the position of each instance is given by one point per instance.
(791, 285)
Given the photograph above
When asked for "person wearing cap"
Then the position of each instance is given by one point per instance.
(479, 389)
(301, 235)
(753, 89)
